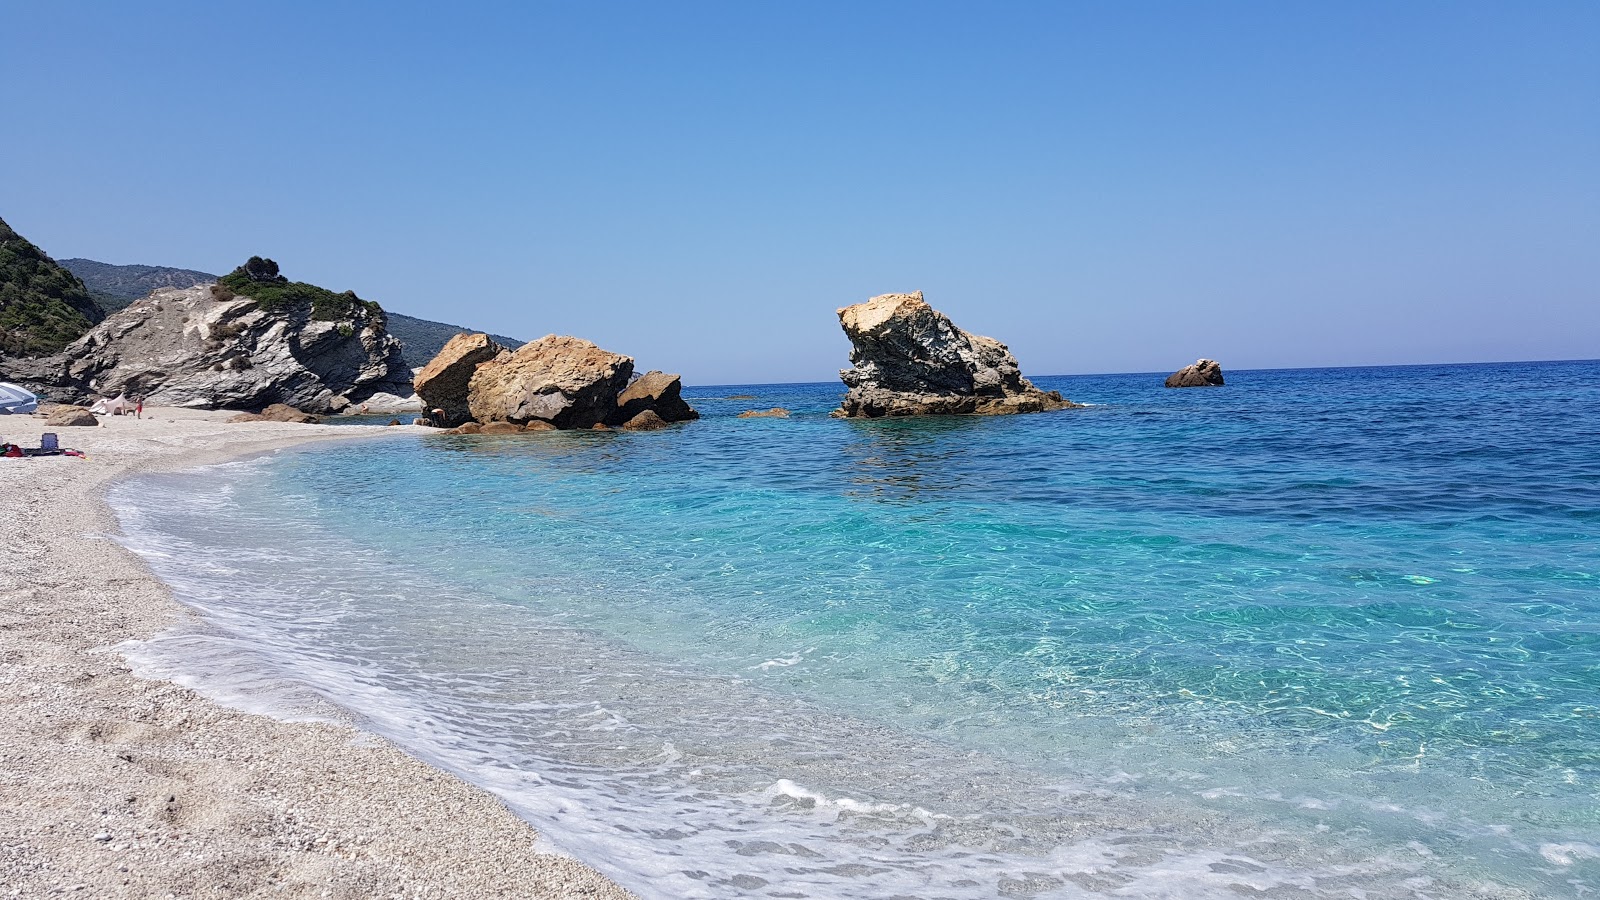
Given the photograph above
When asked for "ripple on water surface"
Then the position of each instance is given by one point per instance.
(1317, 633)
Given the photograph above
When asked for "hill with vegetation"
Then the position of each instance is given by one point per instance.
(43, 307)
(114, 287)
(424, 339)
(260, 280)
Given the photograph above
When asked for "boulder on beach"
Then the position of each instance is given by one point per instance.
(277, 412)
(656, 392)
(1204, 373)
(384, 402)
(444, 382)
(777, 412)
(566, 381)
(70, 416)
(911, 360)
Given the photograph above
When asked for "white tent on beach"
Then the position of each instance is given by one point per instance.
(106, 406)
(16, 401)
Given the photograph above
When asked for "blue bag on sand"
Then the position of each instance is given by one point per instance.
(48, 441)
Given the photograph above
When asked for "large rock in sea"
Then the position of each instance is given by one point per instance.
(911, 360)
(566, 381)
(193, 348)
(655, 392)
(1204, 373)
(443, 383)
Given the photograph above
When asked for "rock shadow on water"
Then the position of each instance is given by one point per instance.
(907, 459)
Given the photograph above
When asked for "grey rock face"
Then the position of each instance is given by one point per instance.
(182, 347)
(1204, 373)
(910, 359)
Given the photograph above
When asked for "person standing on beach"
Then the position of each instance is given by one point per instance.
(138, 407)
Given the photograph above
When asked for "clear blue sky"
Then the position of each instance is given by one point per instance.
(1105, 186)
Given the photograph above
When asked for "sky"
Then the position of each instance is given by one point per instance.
(1106, 187)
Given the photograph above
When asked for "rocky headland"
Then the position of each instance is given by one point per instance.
(1204, 373)
(113, 287)
(556, 382)
(249, 341)
(909, 359)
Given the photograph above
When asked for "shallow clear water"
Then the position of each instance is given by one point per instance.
(1317, 633)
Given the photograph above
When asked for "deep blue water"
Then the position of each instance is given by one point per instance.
(1315, 633)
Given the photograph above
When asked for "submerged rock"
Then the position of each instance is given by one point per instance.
(911, 360)
(777, 412)
(566, 381)
(1204, 373)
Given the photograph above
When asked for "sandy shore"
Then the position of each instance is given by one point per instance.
(117, 786)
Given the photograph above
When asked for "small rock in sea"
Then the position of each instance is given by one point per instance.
(777, 412)
(646, 421)
(599, 426)
(1204, 373)
(500, 428)
(466, 428)
(656, 391)
(539, 425)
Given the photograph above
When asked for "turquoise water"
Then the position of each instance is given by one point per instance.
(1317, 633)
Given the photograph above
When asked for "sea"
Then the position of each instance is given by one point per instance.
(1316, 633)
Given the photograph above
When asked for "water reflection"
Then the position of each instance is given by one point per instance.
(902, 460)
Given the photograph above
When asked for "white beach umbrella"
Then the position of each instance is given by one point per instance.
(16, 401)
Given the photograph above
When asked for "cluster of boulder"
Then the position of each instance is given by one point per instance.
(557, 382)
(191, 347)
(199, 347)
(909, 359)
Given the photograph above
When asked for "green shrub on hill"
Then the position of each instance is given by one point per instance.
(259, 280)
(43, 307)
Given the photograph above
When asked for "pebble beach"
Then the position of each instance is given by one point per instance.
(112, 785)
